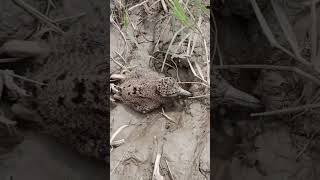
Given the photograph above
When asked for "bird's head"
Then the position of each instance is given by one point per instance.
(169, 87)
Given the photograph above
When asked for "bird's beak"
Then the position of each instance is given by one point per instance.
(117, 77)
(182, 92)
(237, 97)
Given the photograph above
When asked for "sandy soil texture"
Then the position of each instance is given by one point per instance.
(181, 136)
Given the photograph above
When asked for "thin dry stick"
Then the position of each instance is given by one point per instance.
(147, 9)
(121, 57)
(195, 75)
(117, 165)
(189, 43)
(164, 5)
(38, 15)
(52, 4)
(169, 118)
(42, 31)
(122, 35)
(137, 5)
(156, 173)
(49, 4)
(185, 4)
(117, 143)
(208, 60)
(273, 40)
(154, 3)
(173, 38)
(195, 38)
(215, 31)
(194, 83)
(177, 70)
(192, 69)
(191, 15)
(26, 79)
(272, 67)
(121, 6)
(6, 60)
(119, 64)
(206, 51)
(220, 55)
(58, 21)
(287, 110)
(200, 96)
(315, 98)
(196, 35)
(159, 61)
(308, 3)
(48, 7)
(194, 42)
(199, 70)
(286, 28)
(169, 169)
(65, 19)
(314, 33)
(180, 56)
(189, 52)
(305, 147)
(263, 23)
(117, 132)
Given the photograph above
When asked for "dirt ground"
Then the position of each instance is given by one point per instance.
(182, 140)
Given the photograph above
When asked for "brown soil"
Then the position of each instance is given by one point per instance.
(183, 140)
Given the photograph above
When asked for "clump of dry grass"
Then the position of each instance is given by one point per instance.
(190, 24)
(189, 40)
(185, 19)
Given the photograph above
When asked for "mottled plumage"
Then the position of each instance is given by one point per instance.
(146, 91)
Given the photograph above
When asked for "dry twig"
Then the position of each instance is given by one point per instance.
(35, 13)
(287, 110)
(305, 147)
(287, 30)
(272, 67)
(314, 34)
(156, 173)
(116, 133)
(168, 117)
(137, 5)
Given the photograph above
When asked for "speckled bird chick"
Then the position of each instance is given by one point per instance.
(145, 91)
